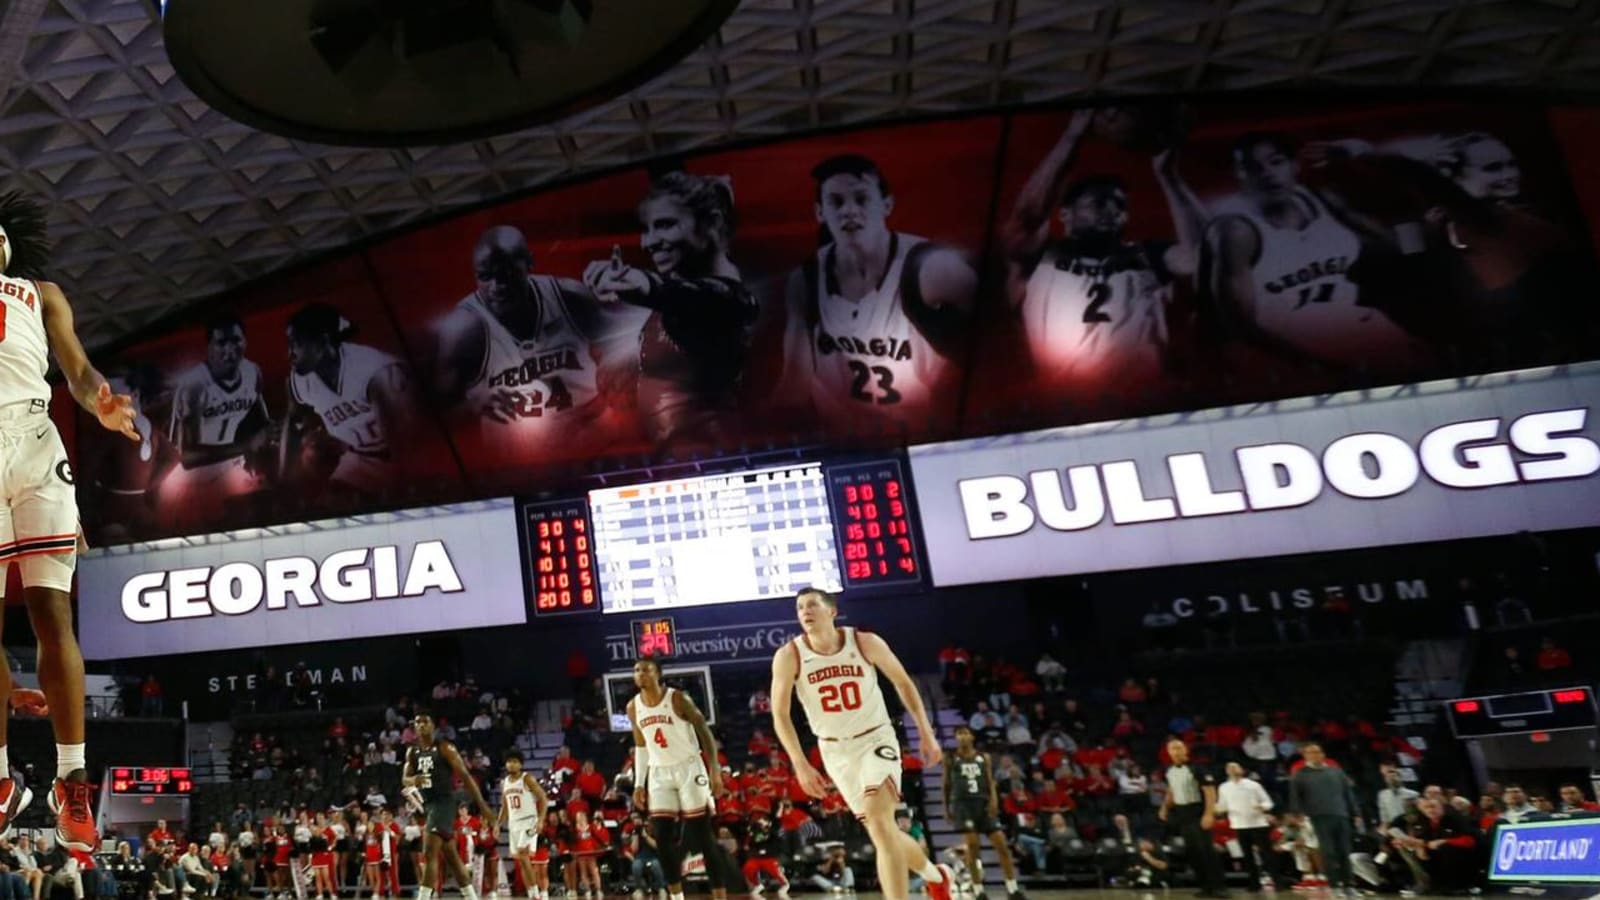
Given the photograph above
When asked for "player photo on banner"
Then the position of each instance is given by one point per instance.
(292, 400)
(864, 251)
(529, 369)
(1159, 256)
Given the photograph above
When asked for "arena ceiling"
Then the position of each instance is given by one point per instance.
(159, 201)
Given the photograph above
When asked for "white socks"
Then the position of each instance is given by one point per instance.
(69, 758)
(470, 892)
(5, 762)
(424, 893)
(1011, 885)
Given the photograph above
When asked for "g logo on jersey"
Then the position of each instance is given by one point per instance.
(702, 780)
(888, 753)
(64, 471)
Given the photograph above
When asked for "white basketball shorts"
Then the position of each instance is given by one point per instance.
(862, 765)
(38, 503)
(684, 788)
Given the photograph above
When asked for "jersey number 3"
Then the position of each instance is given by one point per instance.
(840, 697)
(860, 389)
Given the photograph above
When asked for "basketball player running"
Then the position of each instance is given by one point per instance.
(523, 352)
(873, 319)
(1093, 305)
(362, 395)
(431, 764)
(1282, 256)
(835, 673)
(972, 803)
(675, 783)
(38, 507)
(693, 347)
(522, 807)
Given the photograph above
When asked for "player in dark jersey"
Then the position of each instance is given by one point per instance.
(972, 804)
(431, 764)
(693, 348)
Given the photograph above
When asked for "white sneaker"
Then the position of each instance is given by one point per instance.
(756, 891)
(783, 891)
(638, 895)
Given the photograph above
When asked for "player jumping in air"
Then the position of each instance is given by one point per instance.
(431, 765)
(522, 807)
(362, 396)
(1093, 304)
(39, 524)
(675, 784)
(972, 805)
(873, 318)
(834, 671)
(523, 352)
(693, 347)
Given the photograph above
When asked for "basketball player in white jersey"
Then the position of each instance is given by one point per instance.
(522, 807)
(1093, 305)
(362, 396)
(526, 355)
(38, 508)
(1282, 258)
(219, 417)
(674, 781)
(873, 319)
(834, 672)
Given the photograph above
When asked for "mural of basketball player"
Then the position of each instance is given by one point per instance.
(529, 357)
(1093, 305)
(220, 421)
(1284, 256)
(128, 479)
(873, 319)
(362, 401)
(693, 347)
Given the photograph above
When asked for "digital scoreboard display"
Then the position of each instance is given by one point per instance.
(657, 638)
(1556, 709)
(559, 543)
(750, 535)
(145, 780)
(873, 509)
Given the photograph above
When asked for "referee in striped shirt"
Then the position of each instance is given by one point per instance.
(1190, 810)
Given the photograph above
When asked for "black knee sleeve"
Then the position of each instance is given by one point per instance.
(697, 835)
(669, 846)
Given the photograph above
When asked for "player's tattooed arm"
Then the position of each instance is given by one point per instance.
(684, 707)
(457, 765)
(1027, 231)
(115, 412)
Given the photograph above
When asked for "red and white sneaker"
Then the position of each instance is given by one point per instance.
(942, 889)
(13, 801)
(72, 801)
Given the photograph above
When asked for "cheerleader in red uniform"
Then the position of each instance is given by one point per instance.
(549, 835)
(373, 849)
(322, 839)
(589, 840)
(489, 847)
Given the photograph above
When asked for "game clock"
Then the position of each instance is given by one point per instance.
(560, 557)
(147, 781)
(656, 638)
(873, 516)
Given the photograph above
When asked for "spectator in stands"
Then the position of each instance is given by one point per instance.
(1017, 733)
(986, 724)
(646, 858)
(1551, 657)
(833, 872)
(1573, 801)
(1517, 809)
(1057, 738)
(1151, 868)
(1122, 830)
(1127, 727)
(14, 884)
(1488, 812)
(760, 744)
(1131, 692)
(1443, 844)
(1395, 798)
(339, 730)
(152, 700)
(61, 870)
(126, 868)
(483, 722)
(1052, 674)
(1258, 744)
(763, 843)
(760, 704)
(1543, 804)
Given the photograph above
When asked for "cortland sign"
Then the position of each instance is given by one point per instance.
(1436, 461)
(433, 569)
(1554, 851)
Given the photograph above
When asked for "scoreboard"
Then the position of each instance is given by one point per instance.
(723, 538)
(146, 780)
(1556, 709)
(751, 535)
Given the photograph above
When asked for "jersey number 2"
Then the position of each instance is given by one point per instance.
(862, 374)
(840, 697)
(1099, 293)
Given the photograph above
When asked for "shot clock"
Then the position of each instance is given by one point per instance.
(656, 638)
(145, 780)
(559, 542)
(872, 513)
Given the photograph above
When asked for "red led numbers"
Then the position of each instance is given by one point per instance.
(561, 549)
(875, 534)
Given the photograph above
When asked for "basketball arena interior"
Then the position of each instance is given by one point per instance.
(1122, 446)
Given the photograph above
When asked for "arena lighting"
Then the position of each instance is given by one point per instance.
(1540, 737)
(1573, 696)
(1467, 706)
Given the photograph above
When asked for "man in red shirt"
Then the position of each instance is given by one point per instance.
(564, 760)
(1054, 799)
(1572, 799)
(591, 783)
(160, 838)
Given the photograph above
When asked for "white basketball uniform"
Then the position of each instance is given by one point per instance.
(869, 360)
(532, 390)
(840, 694)
(1088, 317)
(1303, 294)
(522, 813)
(349, 416)
(38, 504)
(220, 412)
(677, 780)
